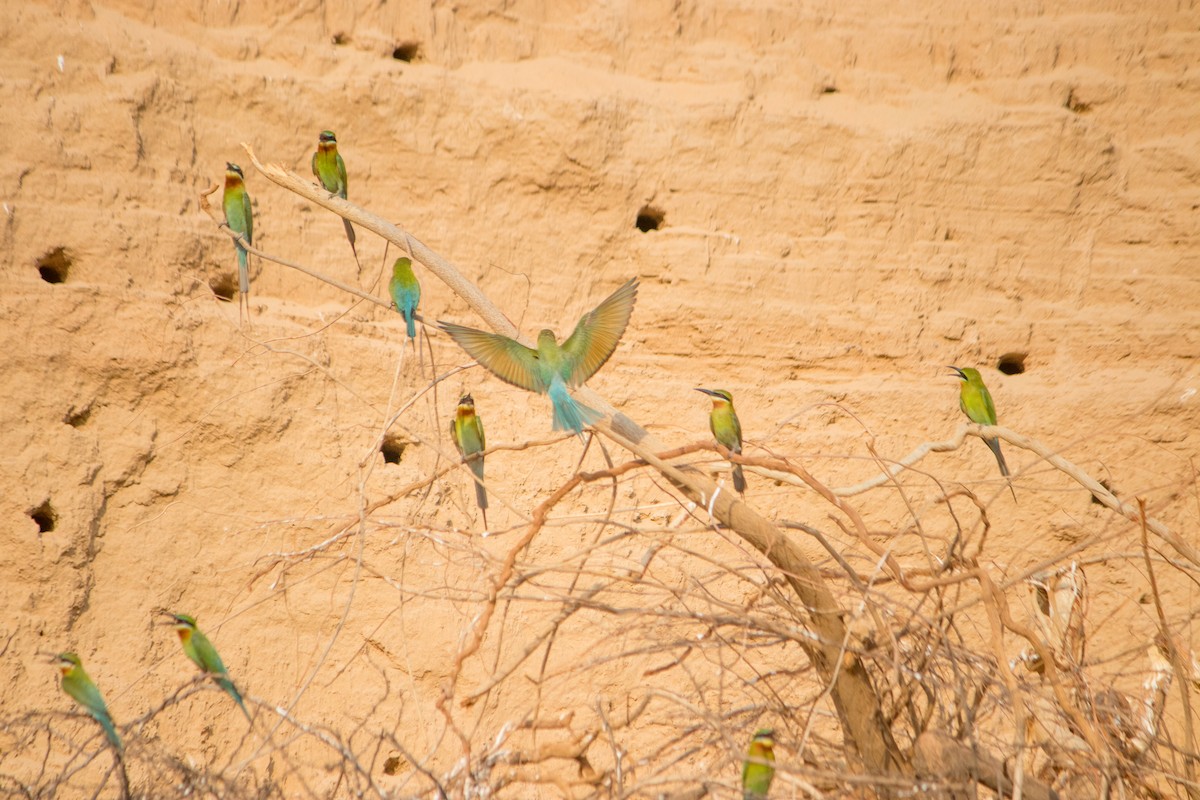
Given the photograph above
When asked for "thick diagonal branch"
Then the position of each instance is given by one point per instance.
(846, 676)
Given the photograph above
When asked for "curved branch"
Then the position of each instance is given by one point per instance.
(849, 683)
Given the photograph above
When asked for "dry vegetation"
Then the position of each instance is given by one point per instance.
(883, 636)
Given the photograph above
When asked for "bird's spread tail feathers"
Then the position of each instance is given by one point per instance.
(568, 414)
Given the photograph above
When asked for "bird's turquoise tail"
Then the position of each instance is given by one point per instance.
(568, 414)
(411, 322)
(228, 686)
(994, 444)
(480, 492)
(110, 731)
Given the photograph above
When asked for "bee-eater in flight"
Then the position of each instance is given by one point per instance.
(406, 293)
(330, 170)
(723, 421)
(976, 402)
(466, 429)
(552, 367)
(759, 769)
(240, 219)
(199, 649)
(77, 684)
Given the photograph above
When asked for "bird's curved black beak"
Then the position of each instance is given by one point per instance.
(708, 392)
(957, 372)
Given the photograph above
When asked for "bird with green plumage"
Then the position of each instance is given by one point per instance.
(976, 402)
(406, 293)
(551, 368)
(79, 686)
(466, 429)
(330, 169)
(759, 768)
(240, 219)
(723, 422)
(200, 650)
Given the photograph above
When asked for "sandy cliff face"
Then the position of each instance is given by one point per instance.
(848, 196)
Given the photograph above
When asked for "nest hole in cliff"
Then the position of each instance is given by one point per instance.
(649, 219)
(1075, 105)
(406, 51)
(393, 448)
(1106, 485)
(45, 516)
(224, 286)
(1012, 363)
(54, 265)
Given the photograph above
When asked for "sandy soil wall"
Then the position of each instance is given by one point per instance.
(848, 196)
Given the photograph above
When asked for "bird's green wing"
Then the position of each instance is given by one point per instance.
(988, 406)
(468, 436)
(207, 654)
(235, 211)
(454, 437)
(508, 359)
(314, 164)
(248, 215)
(83, 691)
(598, 332)
(976, 403)
(341, 171)
(479, 430)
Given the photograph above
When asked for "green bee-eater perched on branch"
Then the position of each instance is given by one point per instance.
(759, 770)
(200, 650)
(406, 293)
(329, 168)
(240, 219)
(77, 684)
(467, 431)
(723, 422)
(976, 402)
(551, 368)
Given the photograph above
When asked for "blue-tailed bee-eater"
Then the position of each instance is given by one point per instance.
(240, 219)
(330, 169)
(551, 367)
(976, 402)
(406, 293)
(723, 421)
(466, 429)
(759, 769)
(79, 686)
(200, 650)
